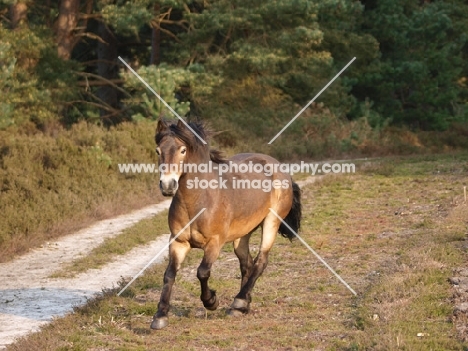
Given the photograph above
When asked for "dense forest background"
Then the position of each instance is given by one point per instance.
(70, 111)
(241, 64)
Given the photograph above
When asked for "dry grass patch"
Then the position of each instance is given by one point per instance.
(140, 234)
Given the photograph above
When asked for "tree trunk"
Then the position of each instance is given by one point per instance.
(19, 19)
(108, 69)
(67, 22)
(18, 14)
(156, 38)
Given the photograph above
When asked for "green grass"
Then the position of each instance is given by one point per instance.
(363, 225)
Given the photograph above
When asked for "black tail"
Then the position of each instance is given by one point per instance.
(293, 219)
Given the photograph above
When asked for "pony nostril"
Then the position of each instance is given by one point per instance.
(174, 183)
(160, 184)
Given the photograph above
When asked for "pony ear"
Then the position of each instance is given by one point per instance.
(161, 126)
(180, 124)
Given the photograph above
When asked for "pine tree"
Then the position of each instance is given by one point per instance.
(421, 61)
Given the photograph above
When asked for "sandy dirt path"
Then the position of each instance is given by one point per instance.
(29, 299)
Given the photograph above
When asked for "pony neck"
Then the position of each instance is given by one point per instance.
(187, 190)
(202, 155)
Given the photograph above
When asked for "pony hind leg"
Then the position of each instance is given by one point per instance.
(241, 303)
(177, 253)
(242, 251)
(208, 296)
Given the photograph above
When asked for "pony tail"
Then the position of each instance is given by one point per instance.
(293, 219)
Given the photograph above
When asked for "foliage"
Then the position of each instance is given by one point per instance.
(166, 82)
(33, 80)
(410, 69)
(415, 81)
(276, 43)
(126, 16)
(66, 176)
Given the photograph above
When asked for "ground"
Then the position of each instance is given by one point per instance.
(31, 297)
(395, 232)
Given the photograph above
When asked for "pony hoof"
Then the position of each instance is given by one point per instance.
(234, 313)
(241, 305)
(210, 304)
(159, 323)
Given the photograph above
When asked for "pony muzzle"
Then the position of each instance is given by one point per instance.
(168, 185)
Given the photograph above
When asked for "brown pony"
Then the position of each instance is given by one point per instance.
(235, 205)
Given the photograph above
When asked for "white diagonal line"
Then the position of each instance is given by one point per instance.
(316, 254)
(311, 101)
(160, 252)
(162, 100)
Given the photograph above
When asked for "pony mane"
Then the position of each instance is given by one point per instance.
(217, 156)
(192, 142)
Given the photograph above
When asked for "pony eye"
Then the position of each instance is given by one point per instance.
(183, 151)
(158, 151)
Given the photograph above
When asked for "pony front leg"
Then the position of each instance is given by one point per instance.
(177, 253)
(208, 296)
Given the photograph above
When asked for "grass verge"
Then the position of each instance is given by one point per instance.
(139, 234)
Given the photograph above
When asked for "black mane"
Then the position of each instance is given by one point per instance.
(192, 142)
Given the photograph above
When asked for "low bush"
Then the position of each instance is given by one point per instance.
(55, 181)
